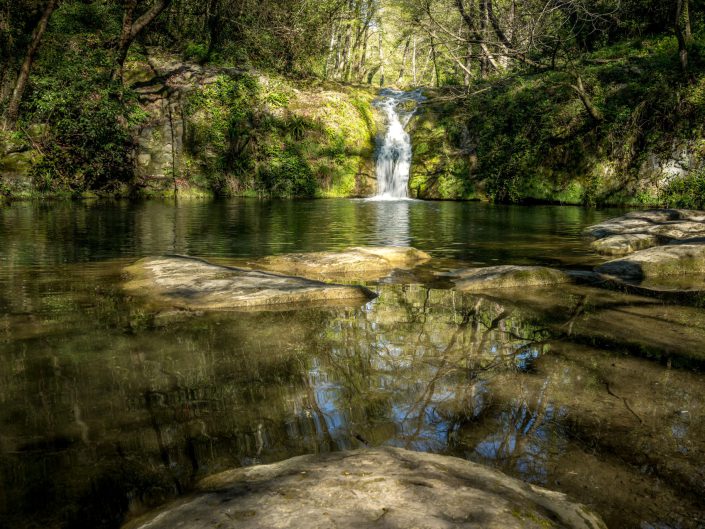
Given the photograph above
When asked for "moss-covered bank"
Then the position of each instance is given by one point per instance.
(215, 130)
(529, 137)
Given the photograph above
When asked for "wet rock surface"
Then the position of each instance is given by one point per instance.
(506, 276)
(384, 487)
(195, 284)
(363, 260)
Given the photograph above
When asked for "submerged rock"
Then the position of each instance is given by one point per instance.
(624, 244)
(195, 284)
(507, 276)
(639, 230)
(671, 260)
(359, 260)
(385, 487)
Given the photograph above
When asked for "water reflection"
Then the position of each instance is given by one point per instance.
(42, 236)
(392, 222)
(106, 409)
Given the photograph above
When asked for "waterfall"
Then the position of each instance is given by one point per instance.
(394, 148)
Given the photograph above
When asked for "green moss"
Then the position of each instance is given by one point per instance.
(269, 136)
(529, 137)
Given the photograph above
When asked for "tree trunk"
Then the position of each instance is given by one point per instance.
(435, 62)
(413, 61)
(329, 55)
(13, 107)
(131, 29)
(381, 57)
(592, 110)
(400, 79)
(484, 65)
(363, 54)
(681, 6)
(214, 23)
(688, 25)
(468, 65)
(506, 41)
(486, 57)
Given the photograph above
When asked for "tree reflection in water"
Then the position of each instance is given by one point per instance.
(126, 408)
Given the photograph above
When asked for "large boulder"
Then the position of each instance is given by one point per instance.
(506, 276)
(359, 261)
(195, 284)
(384, 487)
(661, 261)
(639, 230)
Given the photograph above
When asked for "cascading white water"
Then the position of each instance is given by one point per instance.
(394, 148)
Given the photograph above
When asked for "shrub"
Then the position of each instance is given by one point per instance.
(687, 192)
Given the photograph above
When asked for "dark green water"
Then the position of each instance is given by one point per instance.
(107, 409)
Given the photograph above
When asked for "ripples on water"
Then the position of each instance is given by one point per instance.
(107, 408)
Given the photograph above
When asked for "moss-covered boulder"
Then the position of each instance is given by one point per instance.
(506, 276)
(16, 159)
(195, 284)
(235, 132)
(385, 487)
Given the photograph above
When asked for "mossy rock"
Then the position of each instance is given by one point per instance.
(506, 276)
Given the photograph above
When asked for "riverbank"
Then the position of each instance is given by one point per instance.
(528, 137)
(203, 130)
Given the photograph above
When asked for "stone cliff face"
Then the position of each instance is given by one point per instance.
(244, 133)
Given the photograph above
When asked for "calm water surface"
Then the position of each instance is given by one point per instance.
(108, 409)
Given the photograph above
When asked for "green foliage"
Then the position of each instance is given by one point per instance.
(534, 140)
(87, 141)
(686, 192)
(195, 51)
(286, 173)
(252, 138)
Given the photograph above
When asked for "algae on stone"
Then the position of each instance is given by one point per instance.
(506, 276)
(363, 261)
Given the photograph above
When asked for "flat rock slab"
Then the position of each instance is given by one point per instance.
(661, 261)
(639, 230)
(195, 284)
(506, 276)
(385, 488)
(357, 260)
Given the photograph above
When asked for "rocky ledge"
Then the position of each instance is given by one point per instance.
(363, 260)
(639, 230)
(195, 284)
(384, 487)
(652, 244)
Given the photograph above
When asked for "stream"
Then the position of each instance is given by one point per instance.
(108, 408)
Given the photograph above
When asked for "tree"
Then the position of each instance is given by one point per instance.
(13, 107)
(131, 28)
